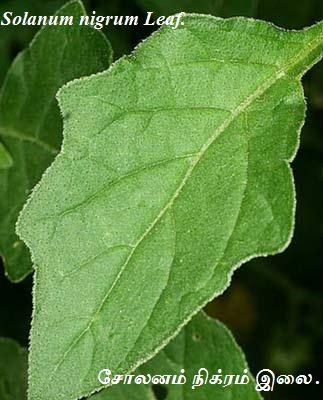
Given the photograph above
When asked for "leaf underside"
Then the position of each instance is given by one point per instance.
(174, 171)
(203, 343)
(30, 121)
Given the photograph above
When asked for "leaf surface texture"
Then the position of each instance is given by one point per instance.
(174, 171)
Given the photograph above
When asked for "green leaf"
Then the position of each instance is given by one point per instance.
(13, 370)
(203, 343)
(15, 37)
(174, 171)
(5, 158)
(30, 122)
(221, 8)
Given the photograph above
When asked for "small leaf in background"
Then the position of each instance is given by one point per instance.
(174, 171)
(30, 122)
(14, 38)
(203, 343)
(13, 370)
(5, 158)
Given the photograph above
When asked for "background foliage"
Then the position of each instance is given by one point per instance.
(274, 305)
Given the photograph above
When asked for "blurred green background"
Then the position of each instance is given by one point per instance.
(274, 306)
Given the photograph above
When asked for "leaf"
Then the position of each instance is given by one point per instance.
(203, 343)
(174, 171)
(13, 370)
(5, 158)
(222, 8)
(15, 37)
(30, 122)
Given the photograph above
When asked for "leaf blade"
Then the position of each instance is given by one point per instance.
(183, 153)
